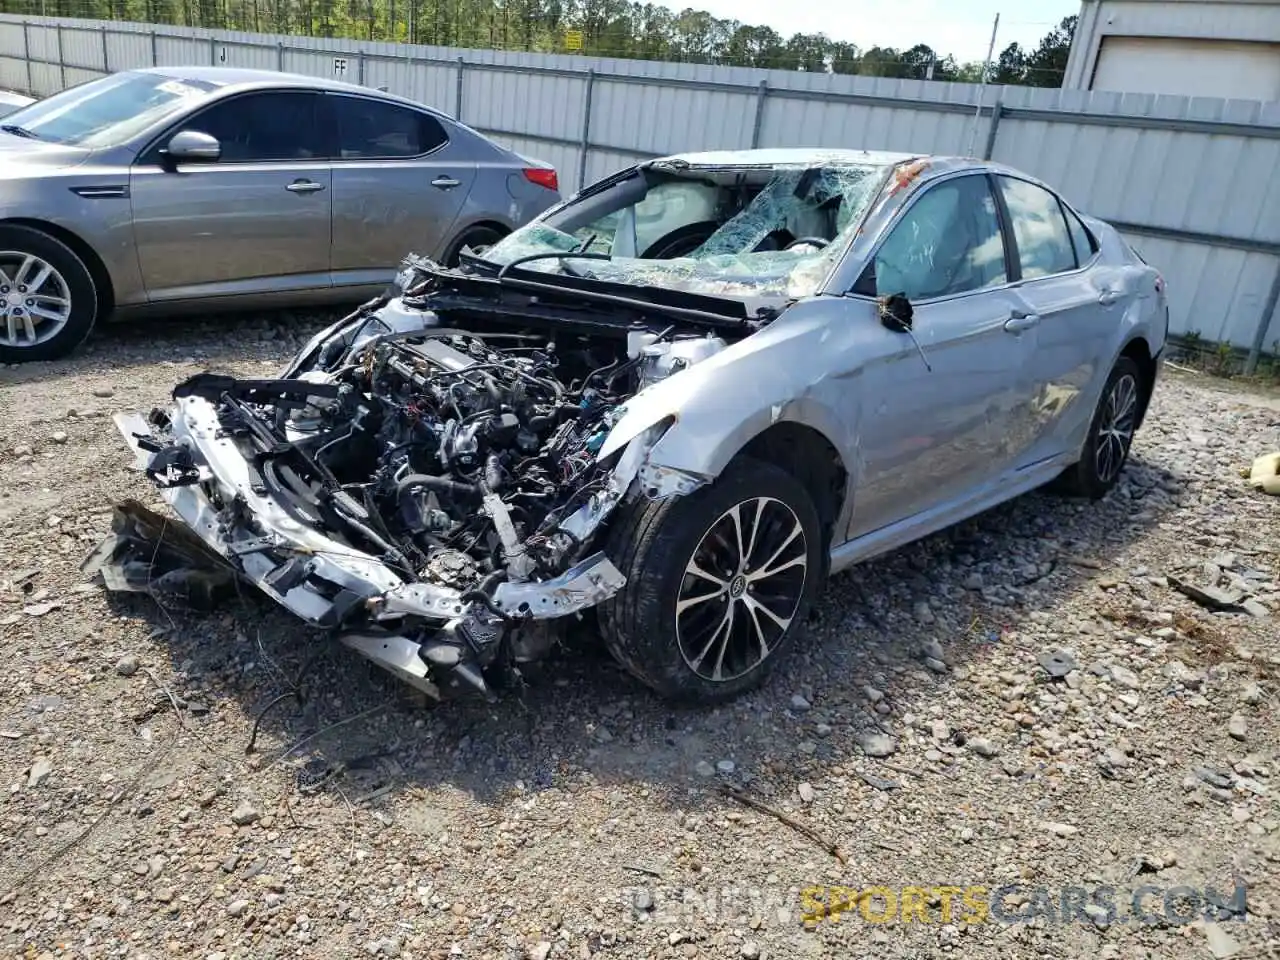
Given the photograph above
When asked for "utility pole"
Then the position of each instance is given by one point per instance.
(982, 88)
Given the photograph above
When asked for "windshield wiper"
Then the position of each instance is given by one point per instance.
(18, 131)
(575, 254)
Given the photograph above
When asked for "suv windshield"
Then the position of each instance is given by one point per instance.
(108, 111)
(744, 231)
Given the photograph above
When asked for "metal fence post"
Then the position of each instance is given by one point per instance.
(26, 55)
(762, 94)
(360, 68)
(106, 56)
(457, 100)
(213, 51)
(1264, 324)
(62, 64)
(280, 56)
(585, 145)
(155, 53)
(997, 111)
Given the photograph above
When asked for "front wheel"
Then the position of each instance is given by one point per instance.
(1106, 449)
(48, 302)
(718, 583)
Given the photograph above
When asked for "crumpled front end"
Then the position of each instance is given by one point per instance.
(427, 634)
(431, 497)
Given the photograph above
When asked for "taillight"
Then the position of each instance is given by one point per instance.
(1159, 284)
(543, 177)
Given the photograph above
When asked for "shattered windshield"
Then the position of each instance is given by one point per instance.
(748, 231)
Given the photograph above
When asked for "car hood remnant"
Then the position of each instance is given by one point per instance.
(430, 493)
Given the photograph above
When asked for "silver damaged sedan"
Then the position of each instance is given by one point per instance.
(207, 188)
(673, 405)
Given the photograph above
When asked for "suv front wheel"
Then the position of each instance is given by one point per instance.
(719, 582)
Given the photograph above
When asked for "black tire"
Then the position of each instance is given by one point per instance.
(652, 543)
(1101, 463)
(476, 237)
(80, 289)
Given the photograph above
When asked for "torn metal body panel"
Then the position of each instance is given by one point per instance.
(452, 472)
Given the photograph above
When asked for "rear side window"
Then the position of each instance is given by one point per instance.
(371, 130)
(1081, 239)
(1039, 229)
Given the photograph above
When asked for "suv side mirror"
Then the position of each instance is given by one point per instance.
(896, 312)
(192, 146)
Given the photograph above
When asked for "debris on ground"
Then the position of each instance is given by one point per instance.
(146, 553)
(385, 827)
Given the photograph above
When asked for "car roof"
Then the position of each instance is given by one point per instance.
(786, 156)
(243, 78)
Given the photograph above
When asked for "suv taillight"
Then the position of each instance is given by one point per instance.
(543, 177)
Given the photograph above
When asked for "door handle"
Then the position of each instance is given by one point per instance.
(1019, 322)
(1108, 297)
(445, 183)
(304, 186)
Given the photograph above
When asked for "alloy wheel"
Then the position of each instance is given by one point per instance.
(35, 302)
(1115, 427)
(741, 589)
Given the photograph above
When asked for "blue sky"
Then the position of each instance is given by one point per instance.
(959, 27)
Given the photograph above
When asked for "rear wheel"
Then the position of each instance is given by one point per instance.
(477, 238)
(1106, 450)
(48, 302)
(718, 583)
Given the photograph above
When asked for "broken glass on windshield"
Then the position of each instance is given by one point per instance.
(760, 231)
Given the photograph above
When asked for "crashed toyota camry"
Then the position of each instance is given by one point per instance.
(672, 404)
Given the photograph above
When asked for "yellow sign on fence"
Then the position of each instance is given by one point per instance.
(573, 39)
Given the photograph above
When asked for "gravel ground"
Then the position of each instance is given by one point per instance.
(1023, 700)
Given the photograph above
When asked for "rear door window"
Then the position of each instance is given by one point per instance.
(370, 129)
(1081, 239)
(1039, 229)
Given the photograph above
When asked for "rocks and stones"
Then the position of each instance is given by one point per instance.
(1124, 677)
(244, 814)
(1060, 829)
(127, 665)
(1057, 663)
(1238, 727)
(984, 747)
(39, 772)
(876, 744)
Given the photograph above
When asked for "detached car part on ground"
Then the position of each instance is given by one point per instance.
(672, 404)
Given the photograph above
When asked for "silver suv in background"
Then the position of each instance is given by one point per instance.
(172, 188)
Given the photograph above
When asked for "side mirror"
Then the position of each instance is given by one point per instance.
(896, 312)
(192, 146)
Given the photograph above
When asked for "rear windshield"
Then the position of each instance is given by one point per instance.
(108, 111)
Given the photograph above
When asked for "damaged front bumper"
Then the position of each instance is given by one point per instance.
(427, 634)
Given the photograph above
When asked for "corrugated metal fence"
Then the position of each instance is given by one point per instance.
(1191, 181)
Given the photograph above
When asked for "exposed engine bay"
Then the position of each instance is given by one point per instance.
(431, 493)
